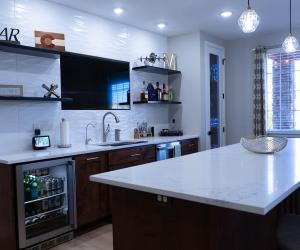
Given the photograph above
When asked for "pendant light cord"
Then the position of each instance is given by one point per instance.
(290, 16)
(248, 4)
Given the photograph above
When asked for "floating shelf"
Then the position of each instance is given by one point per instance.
(156, 70)
(156, 102)
(28, 50)
(34, 99)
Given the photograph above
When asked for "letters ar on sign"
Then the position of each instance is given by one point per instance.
(10, 35)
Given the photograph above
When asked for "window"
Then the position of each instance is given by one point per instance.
(283, 92)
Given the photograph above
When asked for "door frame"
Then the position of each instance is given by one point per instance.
(211, 48)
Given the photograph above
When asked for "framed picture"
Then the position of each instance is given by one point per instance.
(11, 90)
(50, 40)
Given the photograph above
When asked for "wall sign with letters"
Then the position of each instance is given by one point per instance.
(10, 35)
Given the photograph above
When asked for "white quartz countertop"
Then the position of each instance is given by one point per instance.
(229, 177)
(55, 152)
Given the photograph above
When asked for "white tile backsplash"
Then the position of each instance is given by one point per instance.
(85, 34)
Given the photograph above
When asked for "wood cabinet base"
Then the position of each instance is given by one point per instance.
(140, 221)
(8, 228)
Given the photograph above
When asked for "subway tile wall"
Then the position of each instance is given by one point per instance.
(85, 34)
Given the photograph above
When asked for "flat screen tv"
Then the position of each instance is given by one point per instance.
(94, 83)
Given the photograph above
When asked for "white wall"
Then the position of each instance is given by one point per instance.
(187, 48)
(85, 34)
(239, 83)
(191, 61)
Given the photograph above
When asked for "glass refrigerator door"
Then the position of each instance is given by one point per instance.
(43, 200)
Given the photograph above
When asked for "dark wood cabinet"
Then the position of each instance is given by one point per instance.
(189, 146)
(141, 221)
(92, 198)
(131, 157)
(8, 228)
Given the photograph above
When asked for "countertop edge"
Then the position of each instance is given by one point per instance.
(197, 199)
(91, 149)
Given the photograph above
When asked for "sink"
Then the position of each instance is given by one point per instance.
(119, 143)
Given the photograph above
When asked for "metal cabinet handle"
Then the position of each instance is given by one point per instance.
(92, 158)
(191, 145)
(133, 155)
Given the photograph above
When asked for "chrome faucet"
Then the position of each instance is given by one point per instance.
(88, 140)
(106, 130)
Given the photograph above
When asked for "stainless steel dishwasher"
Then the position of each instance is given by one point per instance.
(168, 150)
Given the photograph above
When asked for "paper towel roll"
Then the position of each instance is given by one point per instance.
(64, 133)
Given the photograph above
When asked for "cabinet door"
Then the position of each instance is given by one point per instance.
(129, 157)
(189, 146)
(8, 232)
(92, 198)
(143, 221)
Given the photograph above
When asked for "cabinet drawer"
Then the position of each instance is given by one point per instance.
(129, 164)
(131, 155)
(93, 157)
(189, 146)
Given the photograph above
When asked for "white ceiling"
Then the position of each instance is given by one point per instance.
(183, 16)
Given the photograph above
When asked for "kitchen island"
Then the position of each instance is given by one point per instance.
(221, 199)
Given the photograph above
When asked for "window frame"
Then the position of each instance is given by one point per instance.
(275, 132)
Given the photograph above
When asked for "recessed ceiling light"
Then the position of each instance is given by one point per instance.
(161, 25)
(226, 14)
(118, 11)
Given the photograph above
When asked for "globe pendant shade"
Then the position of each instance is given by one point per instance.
(249, 21)
(290, 44)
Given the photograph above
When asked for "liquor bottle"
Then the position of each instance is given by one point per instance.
(151, 92)
(143, 93)
(142, 96)
(158, 92)
(165, 96)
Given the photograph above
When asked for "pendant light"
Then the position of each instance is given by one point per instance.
(249, 20)
(291, 43)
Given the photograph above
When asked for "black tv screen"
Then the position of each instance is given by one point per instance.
(94, 83)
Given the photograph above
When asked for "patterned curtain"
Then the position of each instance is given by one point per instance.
(259, 91)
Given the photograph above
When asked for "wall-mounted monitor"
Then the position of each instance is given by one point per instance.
(94, 83)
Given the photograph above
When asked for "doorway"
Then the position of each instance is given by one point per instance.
(215, 95)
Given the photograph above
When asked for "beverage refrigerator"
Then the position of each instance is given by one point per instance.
(46, 203)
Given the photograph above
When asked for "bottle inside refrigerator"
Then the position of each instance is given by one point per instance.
(46, 201)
